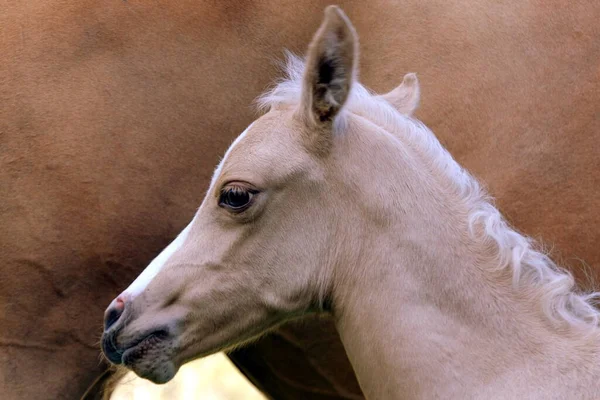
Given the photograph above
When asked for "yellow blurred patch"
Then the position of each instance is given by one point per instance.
(210, 378)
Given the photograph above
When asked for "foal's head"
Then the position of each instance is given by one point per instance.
(282, 215)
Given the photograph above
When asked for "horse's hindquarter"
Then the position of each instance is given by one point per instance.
(114, 115)
(112, 119)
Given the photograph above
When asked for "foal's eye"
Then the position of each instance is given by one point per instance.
(236, 198)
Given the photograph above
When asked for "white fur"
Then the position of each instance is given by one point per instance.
(142, 281)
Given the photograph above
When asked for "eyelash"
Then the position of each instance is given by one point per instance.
(245, 195)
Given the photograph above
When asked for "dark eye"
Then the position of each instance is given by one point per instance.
(236, 198)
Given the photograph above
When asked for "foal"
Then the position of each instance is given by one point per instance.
(336, 201)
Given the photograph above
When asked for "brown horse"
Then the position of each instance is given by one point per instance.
(111, 122)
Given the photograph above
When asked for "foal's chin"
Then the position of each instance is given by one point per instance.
(158, 358)
(152, 359)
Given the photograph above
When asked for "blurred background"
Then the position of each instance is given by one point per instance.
(210, 378)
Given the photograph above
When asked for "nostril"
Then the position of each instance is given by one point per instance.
(113, 313)
(120, 303)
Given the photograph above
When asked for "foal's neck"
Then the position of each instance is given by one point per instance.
(427, 321)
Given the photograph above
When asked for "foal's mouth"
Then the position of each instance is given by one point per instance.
(135, 350)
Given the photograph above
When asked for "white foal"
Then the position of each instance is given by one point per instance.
(336, 201)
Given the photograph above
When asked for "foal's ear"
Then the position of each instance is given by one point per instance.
(330, 67)
(405, 98)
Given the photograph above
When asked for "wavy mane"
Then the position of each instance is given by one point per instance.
(514, 252)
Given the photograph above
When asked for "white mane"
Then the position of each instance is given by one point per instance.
(515, 252)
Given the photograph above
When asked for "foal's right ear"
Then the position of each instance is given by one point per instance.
(405, 98)
(330, 69)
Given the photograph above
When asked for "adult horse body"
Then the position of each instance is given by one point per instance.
(112, 119)
(334, 201)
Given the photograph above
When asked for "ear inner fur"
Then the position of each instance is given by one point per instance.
(331, 68)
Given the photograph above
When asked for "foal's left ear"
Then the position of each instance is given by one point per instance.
(330, 68)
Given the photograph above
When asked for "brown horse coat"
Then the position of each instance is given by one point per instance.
(114, 114)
